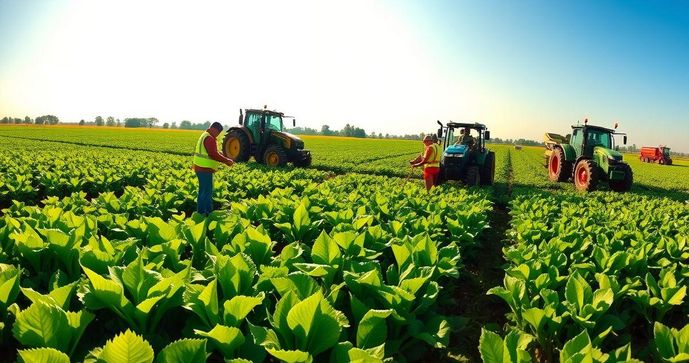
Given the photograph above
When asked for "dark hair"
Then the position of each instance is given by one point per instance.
(217, 126)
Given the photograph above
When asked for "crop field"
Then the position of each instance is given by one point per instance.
(103, 260)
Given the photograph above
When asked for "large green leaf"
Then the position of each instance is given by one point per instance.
(126, 347)
(226, 339)
(42, 355)
(183, 351)
(237, 308)
(492, 347)
(290, 356)
(372, 330)
(43, 325)
(314, 324)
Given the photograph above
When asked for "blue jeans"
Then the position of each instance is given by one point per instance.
(204, 203)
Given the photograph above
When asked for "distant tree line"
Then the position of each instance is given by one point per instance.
(523, 142)
(41, 120)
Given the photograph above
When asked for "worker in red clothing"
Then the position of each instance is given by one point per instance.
(206, 162)
(430, 160)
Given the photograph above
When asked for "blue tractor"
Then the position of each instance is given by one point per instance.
(465, 156)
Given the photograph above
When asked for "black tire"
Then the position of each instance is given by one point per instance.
(472, 177)
(559, 170)
(236, 146)
(275, 156)
(625, 184)
(303, 163)
(488, 169)
(586, 175)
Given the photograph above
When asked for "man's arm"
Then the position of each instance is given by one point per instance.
(212, 149)
(426, 157)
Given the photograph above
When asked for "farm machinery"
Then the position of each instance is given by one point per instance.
(468, 161)
(260, 135)
(659, 155)
(588, 156)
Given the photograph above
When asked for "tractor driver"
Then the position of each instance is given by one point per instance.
(430, 161)
(206, 162)
(465, 138)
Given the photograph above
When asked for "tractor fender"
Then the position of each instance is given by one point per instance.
(568, 150)
(245, 130)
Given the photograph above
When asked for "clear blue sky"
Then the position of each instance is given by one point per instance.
(523, 68)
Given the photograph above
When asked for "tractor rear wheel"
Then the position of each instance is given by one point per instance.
(303, 163)
(236, 146)
(559, 169)
(275, 156)
(661, 161)
(472, 177)
(586, 175)
(625, 184)
(488, 170)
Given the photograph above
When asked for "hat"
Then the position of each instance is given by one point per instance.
(427, 138)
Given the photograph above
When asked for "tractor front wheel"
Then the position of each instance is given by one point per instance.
(275, 156)
(586, 176)
(472, 177)
(488, 170)
(236, 146)
(558, 168)
(625, 184)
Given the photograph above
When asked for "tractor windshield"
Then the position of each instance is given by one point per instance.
(599, 138)
(666, 152)
(274, 123)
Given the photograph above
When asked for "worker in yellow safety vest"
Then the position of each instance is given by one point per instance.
(206, 162)
(430, 160)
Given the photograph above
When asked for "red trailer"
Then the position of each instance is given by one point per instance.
(659, 155)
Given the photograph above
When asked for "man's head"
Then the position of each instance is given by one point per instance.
(427, 140)
(467, 131)
(461, 132)
(215, 129)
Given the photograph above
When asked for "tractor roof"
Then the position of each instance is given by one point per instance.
(264, 111)
(461, 125)
(601, 128)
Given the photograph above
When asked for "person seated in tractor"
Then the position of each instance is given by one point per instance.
(430, 160)
(465, 138)
(206, 162)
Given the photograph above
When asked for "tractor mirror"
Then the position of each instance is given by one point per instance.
(440, 132)
(294, 122)
(241, 117)
(487, 135)
(617, 147)
(624, 139)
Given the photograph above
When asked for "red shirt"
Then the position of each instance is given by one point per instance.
(212, 148)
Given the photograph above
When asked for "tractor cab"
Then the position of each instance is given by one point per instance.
(260, 135)
(465, 156)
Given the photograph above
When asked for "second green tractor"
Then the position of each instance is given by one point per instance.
(588, 156)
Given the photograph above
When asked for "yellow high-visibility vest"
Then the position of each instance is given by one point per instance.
(201, 157)
(434, 161)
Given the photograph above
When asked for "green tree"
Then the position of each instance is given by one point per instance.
(185, 125)
(174, 125)
(119, 123)
(47, 120)
(325, 130)
(152, 121)
(28, 120)
(110, 121)
(99, 121)
(82, 122)
(17, 120)
(166, 125)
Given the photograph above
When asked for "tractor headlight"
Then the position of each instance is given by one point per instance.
(447, 155)
(612, 161)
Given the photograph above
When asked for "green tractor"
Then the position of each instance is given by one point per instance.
(588, 156)
(259, 135)
(468, 161)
